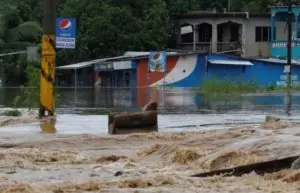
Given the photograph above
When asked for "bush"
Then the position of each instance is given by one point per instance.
(237, 86)
(12, 113)
(31, 94)
(228, 86)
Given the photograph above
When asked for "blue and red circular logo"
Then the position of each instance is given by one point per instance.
(65, 25)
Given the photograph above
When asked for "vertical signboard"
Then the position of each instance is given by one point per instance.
(65, 33)
(157, 61)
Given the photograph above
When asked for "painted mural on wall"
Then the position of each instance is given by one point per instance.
(157, 61)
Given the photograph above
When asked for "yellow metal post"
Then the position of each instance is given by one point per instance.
(47, 102)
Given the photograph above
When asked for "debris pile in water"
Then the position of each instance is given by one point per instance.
(275, 123)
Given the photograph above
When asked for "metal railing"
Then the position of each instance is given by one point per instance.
(206, 46)
(226, 46)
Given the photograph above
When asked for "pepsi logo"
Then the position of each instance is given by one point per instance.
(65, 25)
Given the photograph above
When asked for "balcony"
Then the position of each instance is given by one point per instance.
(206, 46)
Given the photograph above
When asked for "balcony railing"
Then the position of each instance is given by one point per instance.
(205, 46)
(221, 46)
(226, 46)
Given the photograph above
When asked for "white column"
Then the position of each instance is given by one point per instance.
(214, 37)
(243, 38)
(296, 26)
(194, 38)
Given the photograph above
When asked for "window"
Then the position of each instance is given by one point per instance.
(263, 33)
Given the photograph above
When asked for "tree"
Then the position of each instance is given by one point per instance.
(111, 28)
(104, 28)
(17, 30)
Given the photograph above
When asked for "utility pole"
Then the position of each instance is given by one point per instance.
(289, 44)
(289, 58)
(47, 103)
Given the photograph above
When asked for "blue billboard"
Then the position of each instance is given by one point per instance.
(65, 33)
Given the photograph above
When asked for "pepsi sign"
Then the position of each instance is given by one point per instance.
(65, 25)
(65, 33)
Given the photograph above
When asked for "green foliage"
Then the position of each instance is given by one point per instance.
(12, 70)
(238, 86)
(17, 102)
(12, 113)
(31, 93)
(17, 28)
(15, 112)
(228, 86)
(104, 28)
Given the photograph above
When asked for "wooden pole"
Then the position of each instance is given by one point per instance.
(47, 103)
(289, 44)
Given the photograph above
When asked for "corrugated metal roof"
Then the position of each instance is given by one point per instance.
(77, 65)
(130, 55)
(134, 53)
(231, 62)
(88, 63)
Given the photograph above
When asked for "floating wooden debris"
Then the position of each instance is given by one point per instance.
(259, 168)
(271, 119)
(126, 122)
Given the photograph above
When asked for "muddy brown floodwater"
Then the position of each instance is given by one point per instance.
(153, 162)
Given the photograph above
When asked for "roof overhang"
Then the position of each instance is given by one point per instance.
(279, 61)
(244, 15)
(231, 62)
(128, 56)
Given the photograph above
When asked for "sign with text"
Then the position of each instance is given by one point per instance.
(103, 67)
(65, 33)
(284, 44)
(283, 79)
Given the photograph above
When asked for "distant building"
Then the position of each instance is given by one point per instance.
(279, 40)
(245, 34)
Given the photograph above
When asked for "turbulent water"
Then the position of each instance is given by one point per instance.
(77, 155)
(160, 162)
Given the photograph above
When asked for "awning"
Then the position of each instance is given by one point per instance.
(279, 61)
(231, 62)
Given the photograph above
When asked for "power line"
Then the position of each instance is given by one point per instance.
(13, 53)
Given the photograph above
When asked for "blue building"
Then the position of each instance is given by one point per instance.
(279, 44)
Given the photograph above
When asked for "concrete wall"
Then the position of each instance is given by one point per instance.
(250, 46)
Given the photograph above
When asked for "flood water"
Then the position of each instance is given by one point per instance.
(84, 110)
(171, 101)
(80, 157)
